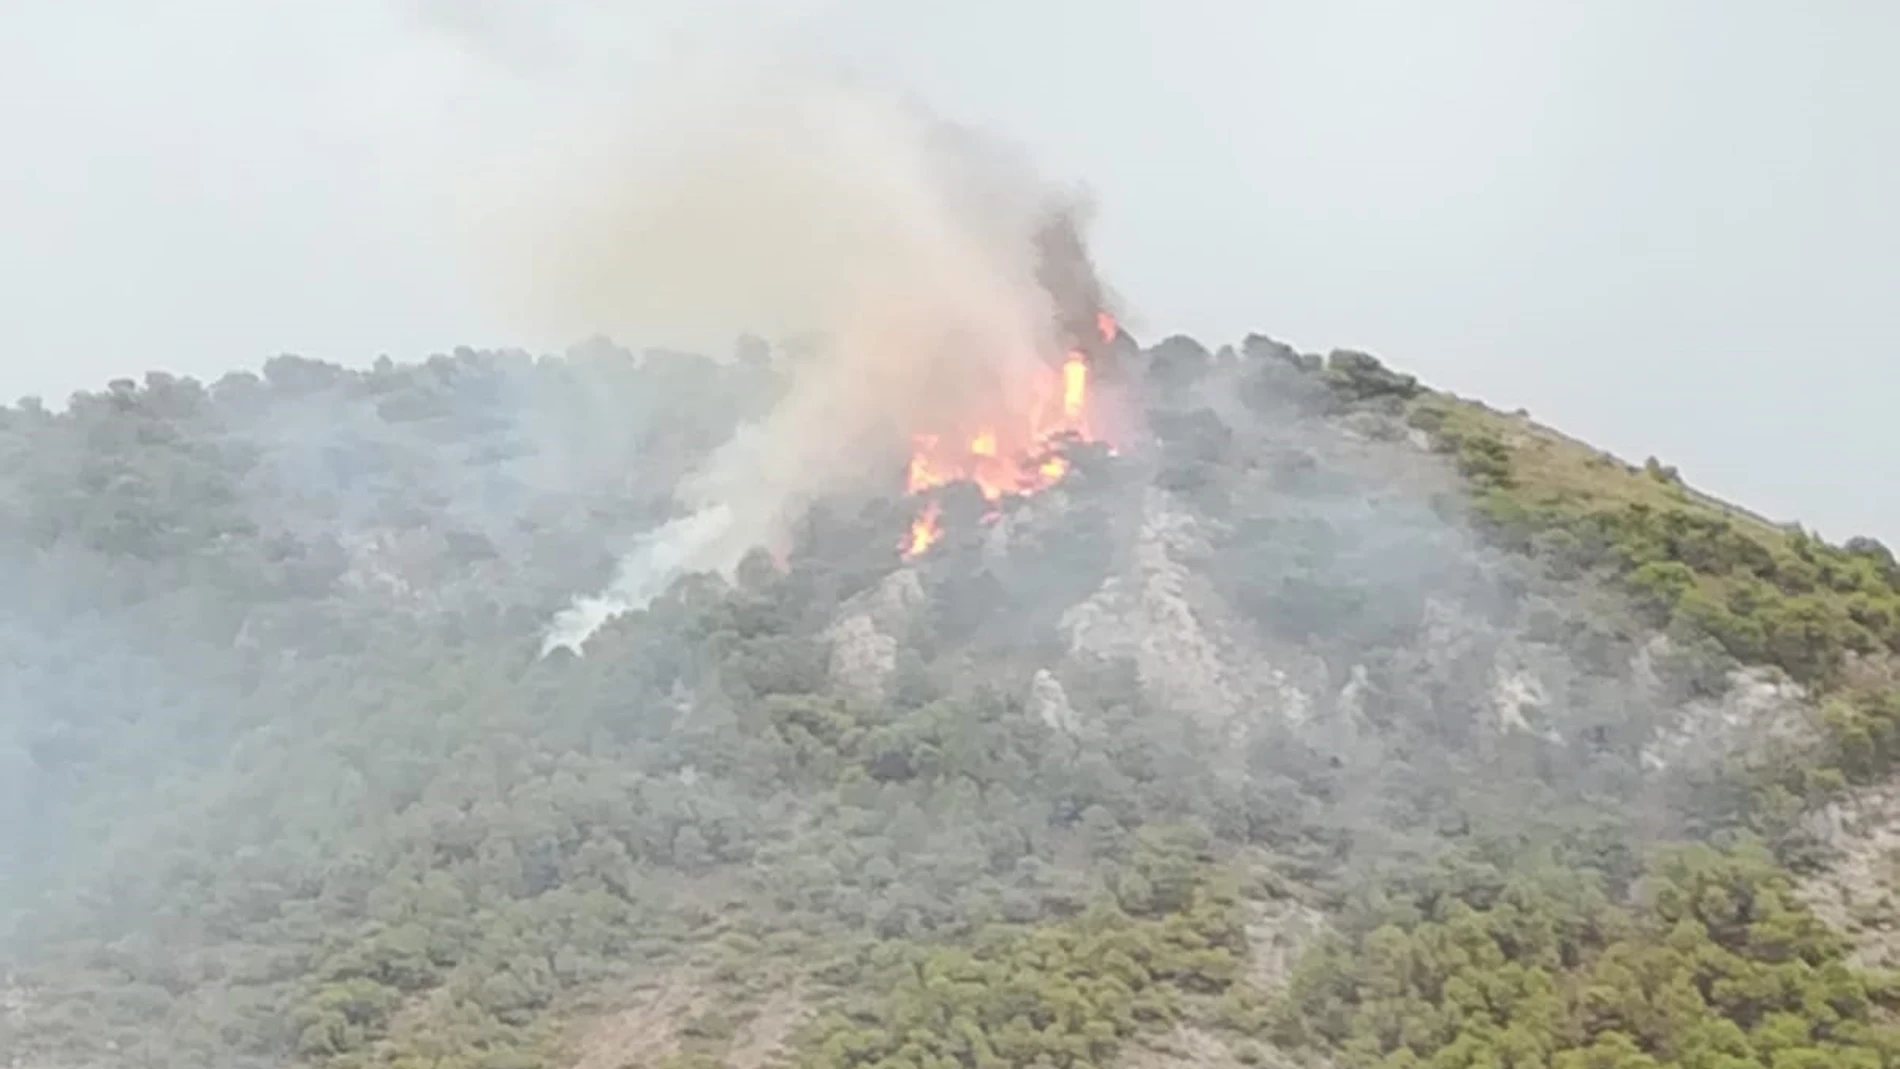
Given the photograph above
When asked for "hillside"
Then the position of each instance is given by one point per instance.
(1318, 718)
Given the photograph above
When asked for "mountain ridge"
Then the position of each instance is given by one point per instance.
(1216, 745)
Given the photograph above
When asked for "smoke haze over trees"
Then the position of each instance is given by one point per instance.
(1304, 716)
(1319, 669)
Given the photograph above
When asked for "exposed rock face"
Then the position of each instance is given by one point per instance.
(1196, 657)
(1761, 707)
(1858, 893)
(1145, 615)
(892, 603)
(1345, 728)
(864, 640)
(1520, 699)
(1278, 933)
(1050, 703)
(1163, 616)
(862, 657)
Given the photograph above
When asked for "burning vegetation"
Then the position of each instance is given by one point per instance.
(1021, 453)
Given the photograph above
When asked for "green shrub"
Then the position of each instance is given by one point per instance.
(1713, 962)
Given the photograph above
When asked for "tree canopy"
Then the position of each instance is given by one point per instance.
(284, 778)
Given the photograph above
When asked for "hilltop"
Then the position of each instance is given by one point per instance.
(1320, 719)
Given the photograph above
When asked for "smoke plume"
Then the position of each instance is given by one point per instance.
(927, 261)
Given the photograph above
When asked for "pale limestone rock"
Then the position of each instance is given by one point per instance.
(894, 601)
(1278, 932)
(863, 640)
(1164, 617)
(1760, 707)
(1519, 699)
(1858, 892)
(1050, 703)
(862, 657)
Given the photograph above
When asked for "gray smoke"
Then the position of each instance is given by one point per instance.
(921, 256)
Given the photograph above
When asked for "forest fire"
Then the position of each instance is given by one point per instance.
(1000, 459)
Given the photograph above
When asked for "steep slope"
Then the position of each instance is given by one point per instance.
(1324, 720)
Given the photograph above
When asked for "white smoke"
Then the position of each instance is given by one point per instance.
(641, 576)
(796, 205)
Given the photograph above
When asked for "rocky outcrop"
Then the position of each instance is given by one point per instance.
(1760, 708)
(862, 658)
(1050, 703)
(1520, 700)
(1161, 615)
(1858, 891)
(1278, 932)
(864, 640)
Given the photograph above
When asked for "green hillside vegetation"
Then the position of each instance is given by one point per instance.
(1769, 595)
(1708, 962)
(276, 698)
(1703, 571)
(1064, 993)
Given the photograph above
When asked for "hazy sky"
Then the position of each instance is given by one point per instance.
(1665, 226)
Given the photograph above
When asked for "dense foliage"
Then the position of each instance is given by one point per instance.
(1713, 965)
(1065, 993)
(1718, 580)
(282, 775)
(1768, 595)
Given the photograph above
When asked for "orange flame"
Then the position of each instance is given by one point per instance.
(923, 531)
(1107, 325)
(1075, 386)
(1006, 457)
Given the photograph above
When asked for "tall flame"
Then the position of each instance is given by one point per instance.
(923, 531)
(1075, 386)
(1000, 458)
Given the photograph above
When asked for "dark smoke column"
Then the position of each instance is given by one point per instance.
(1066, 271)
